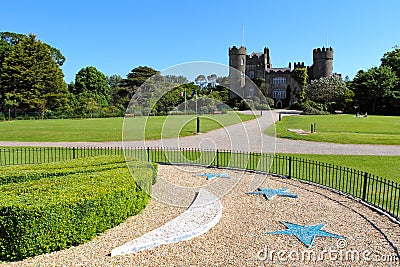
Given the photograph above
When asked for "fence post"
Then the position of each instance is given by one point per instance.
(148, 154)
(217, 159)
(73, 152)
(364, 193)
(290, 168)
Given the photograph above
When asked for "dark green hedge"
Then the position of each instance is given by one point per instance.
(57, 212)
(16, 174)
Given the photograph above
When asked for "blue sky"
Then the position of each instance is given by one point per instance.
(116, 36)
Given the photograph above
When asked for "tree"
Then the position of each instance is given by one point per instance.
(136, 78)
(180, 79)
(392, 59)
(91, 87)
(31, 78)
(212, 80)
(91, 80)
(10, 39)
(118, 97)
(331, 92)
(300, 76)
(201, 81)
(375, 87)
(10, 103)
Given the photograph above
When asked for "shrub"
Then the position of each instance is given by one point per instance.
(16, 174)
(310, 107)
(48, 214)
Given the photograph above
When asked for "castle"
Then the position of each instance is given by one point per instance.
(278, 82)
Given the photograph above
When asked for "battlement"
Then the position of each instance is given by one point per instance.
(323, 49)
(237, 51)
(299, 65)
(255, 55)
(323, 53)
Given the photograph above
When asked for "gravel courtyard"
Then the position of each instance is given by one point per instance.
(239, 239)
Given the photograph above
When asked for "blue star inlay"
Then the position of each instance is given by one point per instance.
(213, 175)
(270, 193)
(306, 234)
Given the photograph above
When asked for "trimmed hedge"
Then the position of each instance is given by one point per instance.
(47, 214)
(23, 173)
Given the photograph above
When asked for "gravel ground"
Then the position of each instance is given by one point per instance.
(239, 238)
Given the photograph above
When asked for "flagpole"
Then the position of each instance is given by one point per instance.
(185, 100)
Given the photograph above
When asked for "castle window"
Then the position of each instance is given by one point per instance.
(279, 94)
(241, 61)
(279, 80)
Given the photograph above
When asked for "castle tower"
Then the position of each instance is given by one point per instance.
(237, 60)
(267, 58)
(322, 63)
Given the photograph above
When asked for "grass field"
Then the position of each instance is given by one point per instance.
(344, 129)
(174, 126)
(385, 166)
(110, 129)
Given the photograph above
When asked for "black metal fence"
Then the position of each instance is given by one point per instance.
(376, 191)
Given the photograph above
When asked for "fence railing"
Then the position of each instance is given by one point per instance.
(376, 191)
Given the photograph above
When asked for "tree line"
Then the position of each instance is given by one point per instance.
(32, 82)
(374, 91)
(32, 85)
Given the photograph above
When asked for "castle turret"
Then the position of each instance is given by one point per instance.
(237, 60)
(322, 63)
(267, 58)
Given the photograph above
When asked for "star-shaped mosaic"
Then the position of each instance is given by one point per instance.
(213, 175)
(305, 233)
(270, 193)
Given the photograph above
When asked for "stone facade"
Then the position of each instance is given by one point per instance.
(278, 82)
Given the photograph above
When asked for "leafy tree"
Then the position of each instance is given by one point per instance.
(31, 78)
(374, 88)
(7, 41)
(168, 101)
(201, 81)
(91, 87)
(91, 80)
(200, 78)
(212, 80)
(180, 79)
(10, 39)
(331, 92)
(136, 78)
(223, 81)
(10, 103)
(392, 59)
(88, 104)
(118, 97)
(300, 75)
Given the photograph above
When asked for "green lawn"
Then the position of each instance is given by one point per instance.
(384, 166)
(110, 129)
(345, 129)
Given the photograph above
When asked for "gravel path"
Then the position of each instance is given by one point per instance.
(242, 137)
(239, 238)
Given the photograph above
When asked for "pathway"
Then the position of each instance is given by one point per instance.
(247, 136)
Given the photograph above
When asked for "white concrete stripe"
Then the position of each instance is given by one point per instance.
(201, 216)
